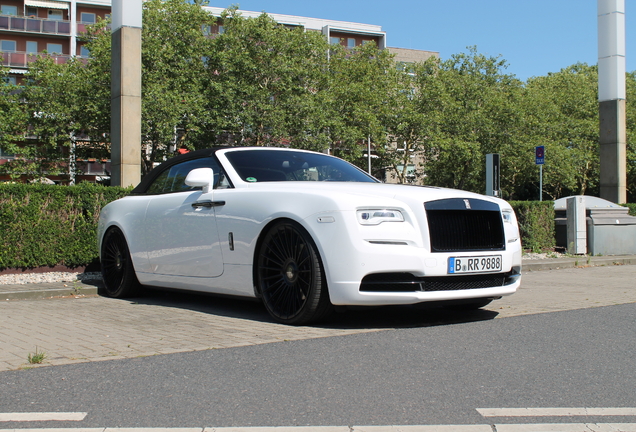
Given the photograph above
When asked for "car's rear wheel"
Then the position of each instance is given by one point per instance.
(290, 276)
(118, 272)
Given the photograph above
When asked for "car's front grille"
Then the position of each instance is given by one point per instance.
(463, 225)
(406, 282)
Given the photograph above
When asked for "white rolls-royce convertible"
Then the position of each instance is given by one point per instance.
(305, 232)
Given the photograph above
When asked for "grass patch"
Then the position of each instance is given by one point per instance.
(36, 358)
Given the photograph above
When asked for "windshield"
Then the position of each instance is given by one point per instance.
(274, 165)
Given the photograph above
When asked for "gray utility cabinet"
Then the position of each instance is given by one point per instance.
(610, 229)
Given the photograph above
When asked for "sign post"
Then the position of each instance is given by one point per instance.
(539, 153)
(492, 174)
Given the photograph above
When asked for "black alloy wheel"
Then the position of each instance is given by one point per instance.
(290, 276)
(117, 268)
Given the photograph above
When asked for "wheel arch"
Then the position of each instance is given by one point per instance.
(259, 243)
(114, 225)
(105, 230)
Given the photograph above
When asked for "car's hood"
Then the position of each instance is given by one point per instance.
(353, 190)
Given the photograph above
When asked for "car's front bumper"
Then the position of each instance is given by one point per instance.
(401, 258)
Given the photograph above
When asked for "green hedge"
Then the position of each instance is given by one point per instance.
(47, 225)
(536, 223)
(632, 208)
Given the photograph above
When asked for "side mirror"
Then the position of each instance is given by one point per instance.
(203, 177)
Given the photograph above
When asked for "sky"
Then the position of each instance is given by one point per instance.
(534, 37)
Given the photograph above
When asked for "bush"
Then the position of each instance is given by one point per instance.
(47, 225)
(536, 223)
(632, 208)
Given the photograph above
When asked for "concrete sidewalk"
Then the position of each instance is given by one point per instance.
(79, 326)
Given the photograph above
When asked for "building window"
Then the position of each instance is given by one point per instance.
(31, 11)
(206, 29)
(410, 170)
(8, 10)
(32, 47)
(88, 18)
(4, 154)
(10, 79)
(351, 43)
(56, 15)
(53, 48)
(7, 46)
(106, 16)
(334, 40)
(221, 29)
(84, 52)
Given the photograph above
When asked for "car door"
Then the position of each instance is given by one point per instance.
(182, 237)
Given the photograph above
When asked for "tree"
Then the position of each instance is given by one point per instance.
(13, 121)
(631, 136)
(407, 126)
(265, 84)
(49, 113)
(562, 110)
(173, 75)
(471, 105)
(358, 100)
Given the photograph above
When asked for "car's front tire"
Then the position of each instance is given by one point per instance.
(118, 272)
(290, 276)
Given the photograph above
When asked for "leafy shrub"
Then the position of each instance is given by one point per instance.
(536, 223)
(47, 225)
(632, 208)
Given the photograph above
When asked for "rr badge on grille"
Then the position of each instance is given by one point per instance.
(467, 204)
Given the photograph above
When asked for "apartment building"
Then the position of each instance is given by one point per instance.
(347, 34)
(32, 28)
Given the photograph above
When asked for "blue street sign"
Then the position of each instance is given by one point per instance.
(539, 153)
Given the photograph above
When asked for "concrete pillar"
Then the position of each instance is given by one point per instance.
(126, 93)
(73, 18)
(611, 96)
(613, 149)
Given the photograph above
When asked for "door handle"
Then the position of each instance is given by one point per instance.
(208, 203)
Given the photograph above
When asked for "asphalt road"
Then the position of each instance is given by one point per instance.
(436, 372)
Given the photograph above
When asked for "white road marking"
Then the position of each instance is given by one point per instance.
(280, 429)
(555, 412)
(42, 416)
(423, 428)
(394, 428)
(567, 427)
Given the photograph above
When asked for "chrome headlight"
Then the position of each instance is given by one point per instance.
(510, 218)
(377, 216)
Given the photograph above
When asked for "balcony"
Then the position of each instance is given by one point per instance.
(34, 25)
(23, 59)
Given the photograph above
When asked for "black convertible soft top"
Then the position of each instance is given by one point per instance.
(142, 187)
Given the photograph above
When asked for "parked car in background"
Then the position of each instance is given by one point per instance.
(304, 231)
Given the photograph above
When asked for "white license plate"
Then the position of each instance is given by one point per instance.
(476, 264)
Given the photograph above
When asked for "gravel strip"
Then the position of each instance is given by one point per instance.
(544, 255)
(52, 277)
